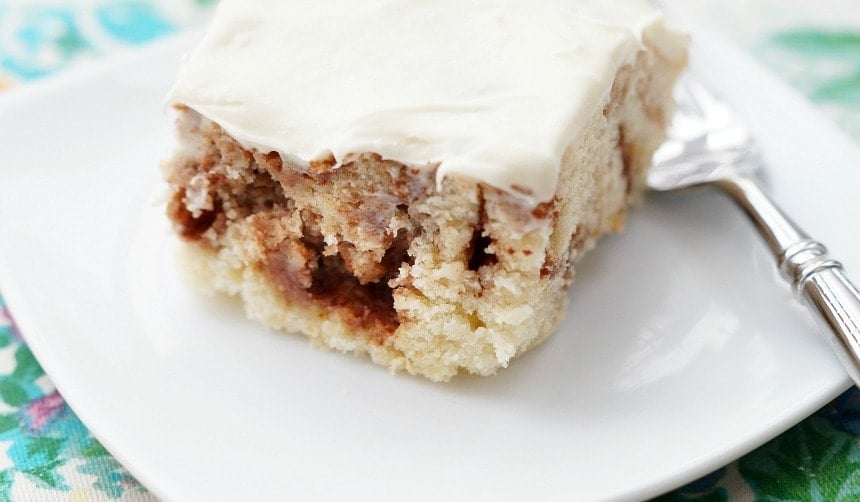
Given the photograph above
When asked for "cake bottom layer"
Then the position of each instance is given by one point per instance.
(370, 256)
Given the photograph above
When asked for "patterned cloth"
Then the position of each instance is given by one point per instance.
(47, 453)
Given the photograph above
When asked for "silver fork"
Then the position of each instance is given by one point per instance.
(709, 145)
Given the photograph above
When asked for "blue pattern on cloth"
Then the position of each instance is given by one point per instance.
(133, 22)
(48, 38)
(47, 448)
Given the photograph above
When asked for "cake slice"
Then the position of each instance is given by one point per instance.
(414, 179)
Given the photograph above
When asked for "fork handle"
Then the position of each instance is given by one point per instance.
(822, 282)
(805, 263)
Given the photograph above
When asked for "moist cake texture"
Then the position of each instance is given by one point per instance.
(414, 180)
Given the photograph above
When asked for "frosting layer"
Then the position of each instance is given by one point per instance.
(491, 89)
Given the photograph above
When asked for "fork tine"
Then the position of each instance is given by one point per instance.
(685, 100)
(707, 141)
(706, 100)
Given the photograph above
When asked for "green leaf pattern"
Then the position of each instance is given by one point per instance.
(812, 461)
(824, 64)
(41, 437)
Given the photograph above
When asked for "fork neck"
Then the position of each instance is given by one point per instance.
(779, 232)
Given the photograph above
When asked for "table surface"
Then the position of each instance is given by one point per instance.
(49, 454)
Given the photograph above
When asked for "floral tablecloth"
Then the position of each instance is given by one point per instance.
(46, 453)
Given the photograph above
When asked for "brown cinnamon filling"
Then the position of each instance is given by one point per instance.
(477, 252)
(301, 274)
(367, 306)
(190, 227)
(479, 256)
(301, 271)
(626, 158)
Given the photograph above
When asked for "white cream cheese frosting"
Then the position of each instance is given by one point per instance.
(494, 90)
